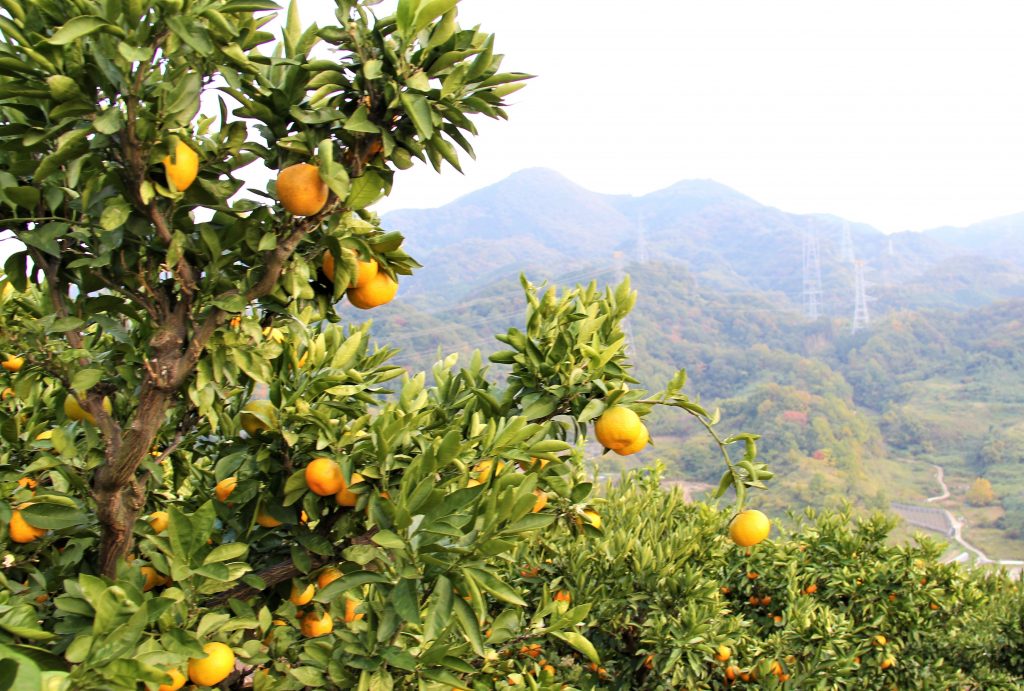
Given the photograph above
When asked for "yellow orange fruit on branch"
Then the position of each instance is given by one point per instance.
(76, 412)
(301, 190)
(485, 469)
(252, 424)
(328, 575)
(620, 429)
(314, 625)
(542, 500)
(749, 528)
(345, 496)
(323, 477)
(351, 614)
(723, 654)
(214, 668)
(365, 271)
(21, 531)
(177, 681)
(225, 487)
(301, 597)
(266, 520)
(376, 291)
(183, 167)
(153, 578)
(158, 520)
(12, 363)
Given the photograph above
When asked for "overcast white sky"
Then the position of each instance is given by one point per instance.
(906, 114)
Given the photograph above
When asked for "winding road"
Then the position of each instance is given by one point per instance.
(958, 527)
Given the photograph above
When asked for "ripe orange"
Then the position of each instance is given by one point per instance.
(811, 589)
(749, 527)
(731, 672)
(378, 290)
(27, 482)
(752, 575)
(766, 600)
(266, 520)
(725, 590)
(345, 496)
(888, 662)
(251, 423)
(177, 681)
(301, 190)
(775, 668)
(76, 412)
(323, 477)
(153, 578)
(21, 531)
(298, 597)
(754, 600)
(225, 487)
(214, 668)
(879, 640)
(351, 614)
(485, 469)
(549, 670)
(364, 270)
(328, 575)
(649, 662)
(12, 363)
(563, 596)
(8, 392)
(542, 500)
(183, 169)
(621, 430)
(314, 625)
(723, 653)
(158, 520)
(593, 517)
(531, 651)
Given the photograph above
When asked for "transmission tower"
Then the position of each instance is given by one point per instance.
(861, 318)
(846, 245)
(892, 250)
(812, 275)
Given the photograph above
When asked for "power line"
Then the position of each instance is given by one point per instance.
(861, 317)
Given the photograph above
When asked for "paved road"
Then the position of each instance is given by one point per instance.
(958, 527)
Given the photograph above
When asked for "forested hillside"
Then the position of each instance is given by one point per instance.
(938, 377)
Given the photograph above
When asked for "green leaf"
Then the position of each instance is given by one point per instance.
(82, 26)
(365, 190)
(70, 146)
(228, 552)
(418, 109)
(405, 598)
(25, 197)
(493, 585)
(580, 643)
(359, 121)
(86, 379)
(348, 582)
(469, 624)
(388, 540)
(192, 34)
(53, 516)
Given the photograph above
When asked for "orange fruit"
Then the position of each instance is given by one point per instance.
(266, 520)
(27, 482)
(766, 600)
(754, 600)
(252, 424)
(725, 590)
(723, 653)
(76, 412)
(731, 672)
(8, 392)
(549, 670)
(314, 625)
(225, 487)
(364, 270)
(376, 291)
(153, 578)
(649, 662)
(351, 614)
(879, 640)
(12, 363)
(328, 575)
(777, 618)
(592, 517)
(298, 597)
(323, 477)
(752, 575)
(158, 520)
(21, 531)
(749, 527)
(888, 662)
(621, 430)
(933, 605)
(485, 469)
(177, 681)
(183, 169)
(542, 500)
(775, 668)
(811, 589)
(563, 596)
(301, 190)
(345, 496)
(214, 668)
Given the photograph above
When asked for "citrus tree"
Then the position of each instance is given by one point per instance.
(210, 474)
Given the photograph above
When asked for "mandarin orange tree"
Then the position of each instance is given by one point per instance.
(208, 474)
